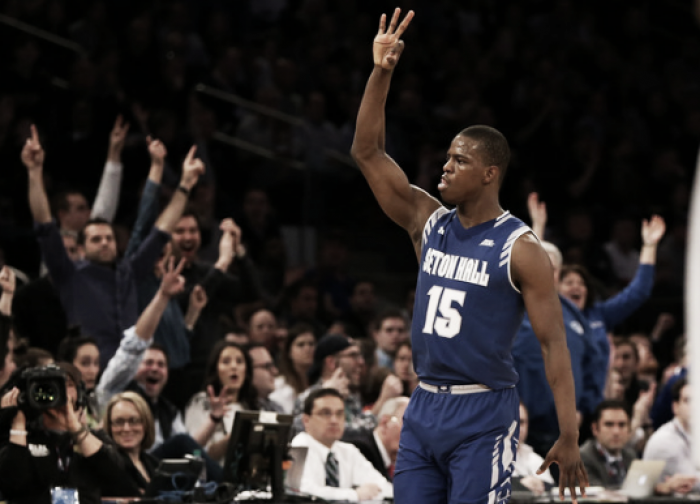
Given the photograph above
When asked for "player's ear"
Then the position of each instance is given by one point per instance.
(305, 419)
(491, 175)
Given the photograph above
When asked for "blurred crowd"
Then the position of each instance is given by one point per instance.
(174, 141)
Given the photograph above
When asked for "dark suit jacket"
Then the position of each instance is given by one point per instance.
(365, 442)
(594, 461)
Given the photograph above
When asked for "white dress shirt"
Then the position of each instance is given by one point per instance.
(528, 462)
(354, 470)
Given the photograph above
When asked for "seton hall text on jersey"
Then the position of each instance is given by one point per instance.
(464, 269)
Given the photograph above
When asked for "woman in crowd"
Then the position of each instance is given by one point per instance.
(403, 367)
(228, 388)
(129, 423)
(82, 352)
(294, 363)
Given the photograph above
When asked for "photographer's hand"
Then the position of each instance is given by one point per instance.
(18, 431)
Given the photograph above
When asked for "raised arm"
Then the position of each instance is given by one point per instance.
(107, 199)
(33, 159)
(652, 232)
(8, 284)
(148, 206)
(532, 271)
(538, 214)
(192, 169)
(403, 203)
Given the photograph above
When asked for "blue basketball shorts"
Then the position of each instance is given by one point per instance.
(457, 449)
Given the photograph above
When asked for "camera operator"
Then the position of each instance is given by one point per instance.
(51, 448)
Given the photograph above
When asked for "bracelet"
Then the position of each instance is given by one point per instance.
(77, 433)
(16, 432)
(183, 189)
(216, 419)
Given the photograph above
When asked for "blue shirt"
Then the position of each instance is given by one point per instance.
(467, 309)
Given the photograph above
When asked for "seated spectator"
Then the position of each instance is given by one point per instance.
(625, 361)
(382, 444)
(335, 470)
(294, 364)
(671, 443)
(26, 356)
(389, 329)
(83, 353)
(607, 457)
(129, 423)
(338, 364)
(362, 309)
(228, 388)
(527, 462)
(264, 373)
(262, 325)
(403, 367)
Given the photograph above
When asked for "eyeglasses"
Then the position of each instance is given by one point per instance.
(270, 366)
(326, 414)
(121, 422)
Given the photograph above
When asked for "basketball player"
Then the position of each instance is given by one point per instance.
(480, 267)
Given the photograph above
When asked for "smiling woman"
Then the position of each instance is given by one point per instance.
(228, 387)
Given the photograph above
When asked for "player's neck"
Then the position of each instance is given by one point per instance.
(473, 213)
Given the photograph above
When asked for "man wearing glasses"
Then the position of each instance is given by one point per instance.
(264, 374)
(338, 364)
(335, 470)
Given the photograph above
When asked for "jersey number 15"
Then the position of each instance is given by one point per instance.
(449, 322)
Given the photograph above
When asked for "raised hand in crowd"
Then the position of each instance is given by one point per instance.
(158, 152)
(117, 139)
(538, 214)
(652, 232)
(230, 238)
(172, 282)
(198, 300)
(338, 381)
(8, 284)
(192, 169)
(33, 158)
(32, 152)
(391, 387)
(664, 322)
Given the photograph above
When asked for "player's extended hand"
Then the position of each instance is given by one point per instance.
(567, 455)
(388, 45)
(653, 230)
(33, 152)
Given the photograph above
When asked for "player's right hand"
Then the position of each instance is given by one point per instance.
(388, 44)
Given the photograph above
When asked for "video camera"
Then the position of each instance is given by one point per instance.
(41, 388)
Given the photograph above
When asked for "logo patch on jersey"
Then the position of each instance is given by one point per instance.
(464, 269)
(576, 326)
(441, 231)
(487, 243)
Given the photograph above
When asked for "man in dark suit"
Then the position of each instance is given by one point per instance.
(607, 456)
(382, 444)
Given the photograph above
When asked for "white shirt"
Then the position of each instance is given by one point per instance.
(385, 454)
(284, 395)
(353, 468)
(527, 462)
(197, 412)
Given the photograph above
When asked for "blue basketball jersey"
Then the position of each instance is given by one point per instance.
(467, 309)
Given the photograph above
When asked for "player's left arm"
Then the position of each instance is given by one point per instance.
(532, 272)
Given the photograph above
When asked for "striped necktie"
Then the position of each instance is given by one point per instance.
(332, 474)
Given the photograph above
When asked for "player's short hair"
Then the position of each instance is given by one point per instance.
(493, 147)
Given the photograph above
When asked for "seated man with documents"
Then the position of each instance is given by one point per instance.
(334, 470)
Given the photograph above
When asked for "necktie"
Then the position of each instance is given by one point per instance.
(617, 473)
(332, 474)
